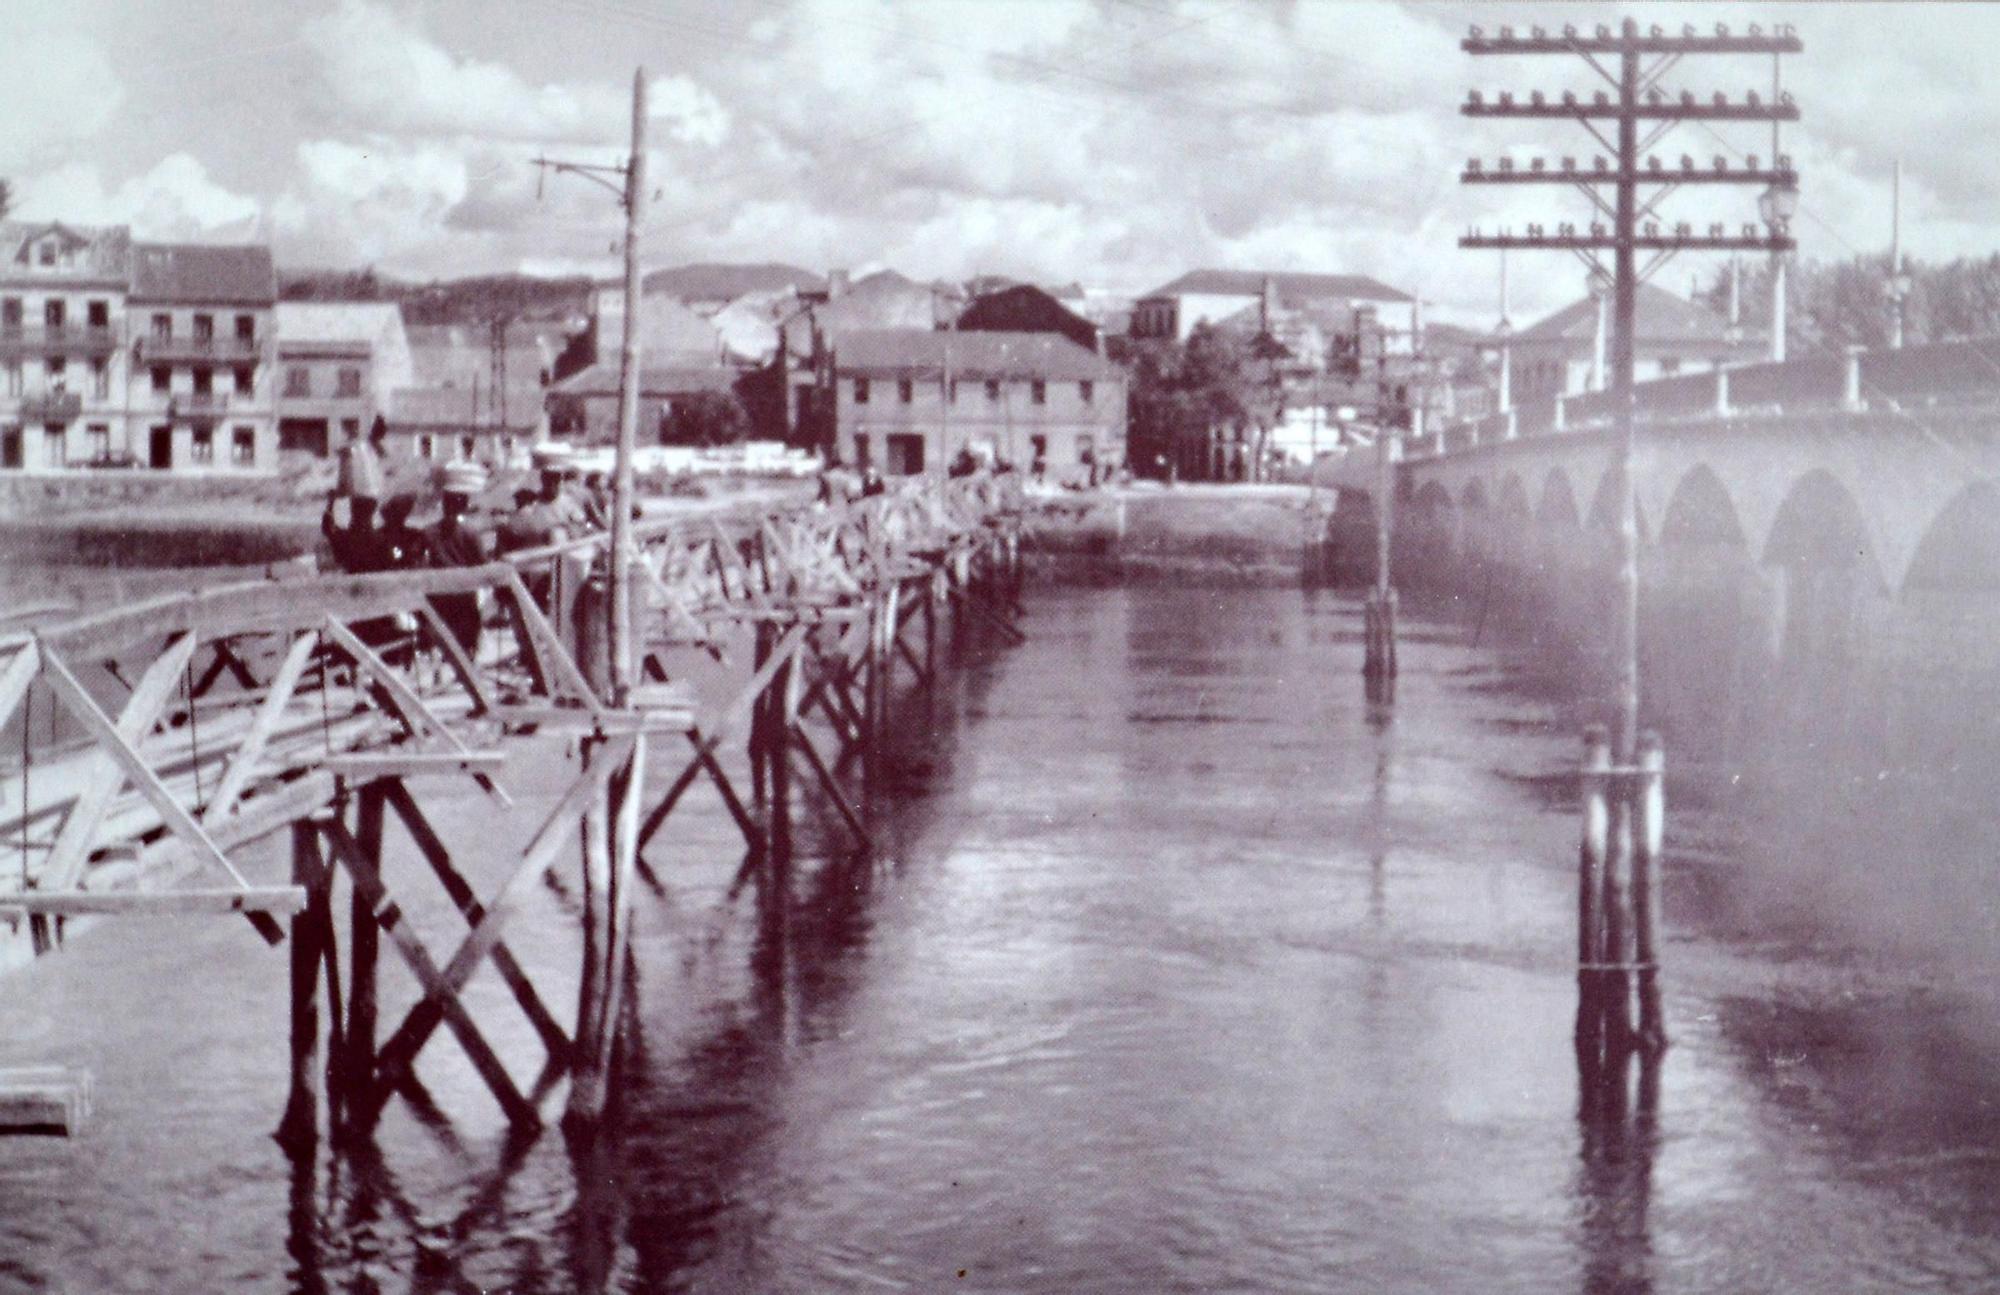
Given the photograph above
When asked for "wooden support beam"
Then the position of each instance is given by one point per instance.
(716, 733)
(435, 853)
(440, 993)
(455, 656)
(411, 764)
(177, 820)
(280, 900)
(251, 749)
(99, 780)
(17, 675)
(831, 785)
(557, 663)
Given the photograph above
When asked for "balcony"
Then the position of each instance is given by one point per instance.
(17, 342)
(51, 407)
(198, 404)
(154, 349)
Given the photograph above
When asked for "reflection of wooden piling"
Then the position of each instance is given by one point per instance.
(1649, 802)
(1378, 659)
(1614, 914)
(1591, 858)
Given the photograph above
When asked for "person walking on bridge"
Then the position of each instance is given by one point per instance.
(455, 543)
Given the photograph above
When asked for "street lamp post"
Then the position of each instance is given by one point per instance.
(1898, 287)
(1777, 205)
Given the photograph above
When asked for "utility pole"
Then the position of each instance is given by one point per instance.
(1632, 60)
(631, 191)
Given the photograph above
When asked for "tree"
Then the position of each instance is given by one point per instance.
(6, 199)
(706, 418)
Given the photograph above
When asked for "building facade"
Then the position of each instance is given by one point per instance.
(63, 364)
(338, 365)
(909, 401)
(202, 391)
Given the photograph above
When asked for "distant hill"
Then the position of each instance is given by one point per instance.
(476, 300)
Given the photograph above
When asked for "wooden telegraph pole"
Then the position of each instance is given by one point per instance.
(610, 829)
(1634, 62)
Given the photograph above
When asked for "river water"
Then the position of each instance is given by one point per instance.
(1181, 968)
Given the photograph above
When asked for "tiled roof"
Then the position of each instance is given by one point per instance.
(709, 281)
(204, 273)
(1663, 320)
(668, 375)
(455, 407)
(972, 355)
(1293, 286)
(107, 248)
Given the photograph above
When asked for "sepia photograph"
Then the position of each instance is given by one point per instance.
(1034, 646)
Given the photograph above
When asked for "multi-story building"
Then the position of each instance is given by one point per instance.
(339, 363)
(63, 291)
(201, 321)
(909, 400)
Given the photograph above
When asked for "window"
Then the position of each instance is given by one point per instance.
(427, 446)
(204, 328)
(1086, 390)
(952, 395)
(14, 378)
(992, 389)
(905, 454)
(58, 373)
(243, 447)
(100, 314)
(1040, 391)
(861, 449)
(350, 382)
(905, 390)
(100, 379)
(467, 446)
(298, 381)
(55, 442)
(204, 381)
(246, 328)
(163, 326)
(203, 445)
(52, 314)
(163, 379)
(1086, 453)
(246, 380)
(46, 253)
(861, 391)
(10, 315)
(350, 428)
(100, 441)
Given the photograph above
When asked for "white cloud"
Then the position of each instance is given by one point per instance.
(381, 73)
(57, 90)
(176, 199)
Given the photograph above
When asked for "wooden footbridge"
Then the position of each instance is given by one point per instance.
(322, 708)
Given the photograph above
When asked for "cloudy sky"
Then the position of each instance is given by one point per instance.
(1116, 142)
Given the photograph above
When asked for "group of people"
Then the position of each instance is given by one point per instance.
(377, 534)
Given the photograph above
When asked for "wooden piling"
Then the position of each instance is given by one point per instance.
(1591, 857)
(586, 1096)
(299, 1128)
(1649, 800)
(364, 939)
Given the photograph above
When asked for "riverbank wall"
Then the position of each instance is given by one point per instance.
(1231, 534)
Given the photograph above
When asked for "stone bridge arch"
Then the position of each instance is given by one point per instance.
(1557, 511)
(1702, 512)
(1821, 525)
(1960, 549)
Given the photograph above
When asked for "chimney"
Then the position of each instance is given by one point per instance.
(836, 283)
(1268, 308)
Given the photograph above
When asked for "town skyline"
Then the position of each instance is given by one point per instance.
(1112, 142)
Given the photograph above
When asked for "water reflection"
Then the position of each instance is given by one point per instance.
(1618, 1137)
